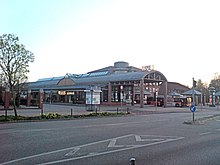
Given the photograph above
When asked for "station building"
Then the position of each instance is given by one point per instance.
(120, 83)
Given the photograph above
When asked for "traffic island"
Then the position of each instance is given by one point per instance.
(203, 120)
(196, 122)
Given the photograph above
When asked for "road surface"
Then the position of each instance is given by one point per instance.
(160, 139)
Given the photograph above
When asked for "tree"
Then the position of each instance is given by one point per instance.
(202, 87)
(215, 82)
(14, 63)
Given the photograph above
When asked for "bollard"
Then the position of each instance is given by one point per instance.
(127, 110)
(71, 112)
(117, 110)
(132, 161)
(42, 112)
(6, 114)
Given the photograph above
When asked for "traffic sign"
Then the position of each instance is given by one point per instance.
(192, 108)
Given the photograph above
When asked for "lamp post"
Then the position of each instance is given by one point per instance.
(41, 99)
(193, 92)
(121, 94)
(156, 99)
(212, 96)
(6, 101)
(91, 90)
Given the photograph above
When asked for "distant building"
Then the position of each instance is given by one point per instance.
(173, 87)
(119, 83)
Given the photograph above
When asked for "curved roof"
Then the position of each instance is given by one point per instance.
(129, 76)
(147, 76)
(43, 84)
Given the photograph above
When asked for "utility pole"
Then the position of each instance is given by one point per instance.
(192, 107)
(156, 99)
(193, 92)
(121, 94)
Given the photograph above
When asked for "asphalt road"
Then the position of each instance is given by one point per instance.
(160, 139)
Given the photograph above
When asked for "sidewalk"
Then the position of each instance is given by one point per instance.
(81, 109)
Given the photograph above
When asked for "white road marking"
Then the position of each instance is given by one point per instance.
(113, 151)
(154, 138)
(71, 153)
(205, 133)
(112, 143)
(36, 130)
(57, 151)
(139, 139)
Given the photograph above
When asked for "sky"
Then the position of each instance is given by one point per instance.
(181, 38)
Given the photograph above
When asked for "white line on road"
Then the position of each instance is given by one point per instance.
(113, 151)
(57, 151)
(71, 153)
(205, 133)
(139, 139)
(113, 143)
(76, 148)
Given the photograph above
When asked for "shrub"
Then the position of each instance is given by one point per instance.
(51, 116)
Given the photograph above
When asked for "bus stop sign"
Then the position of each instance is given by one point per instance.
(192, 108)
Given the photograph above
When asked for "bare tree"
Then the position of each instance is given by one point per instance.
(215, 82)
(14, 63)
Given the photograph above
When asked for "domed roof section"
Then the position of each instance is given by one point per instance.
(118, 67)
(121, 64)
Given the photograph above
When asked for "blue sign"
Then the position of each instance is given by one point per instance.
(192, 108)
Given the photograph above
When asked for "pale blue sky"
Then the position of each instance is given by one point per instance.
(180, 38)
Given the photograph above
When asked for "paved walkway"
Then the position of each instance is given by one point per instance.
(66, 109)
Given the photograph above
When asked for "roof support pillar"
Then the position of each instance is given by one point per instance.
(165, 94)
(41, 98)
(142, 93)
(29, 98)
(109, 92)
(133, 95)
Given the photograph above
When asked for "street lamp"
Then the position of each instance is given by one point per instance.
(156, 98)
(121, 94)
(212, 96)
